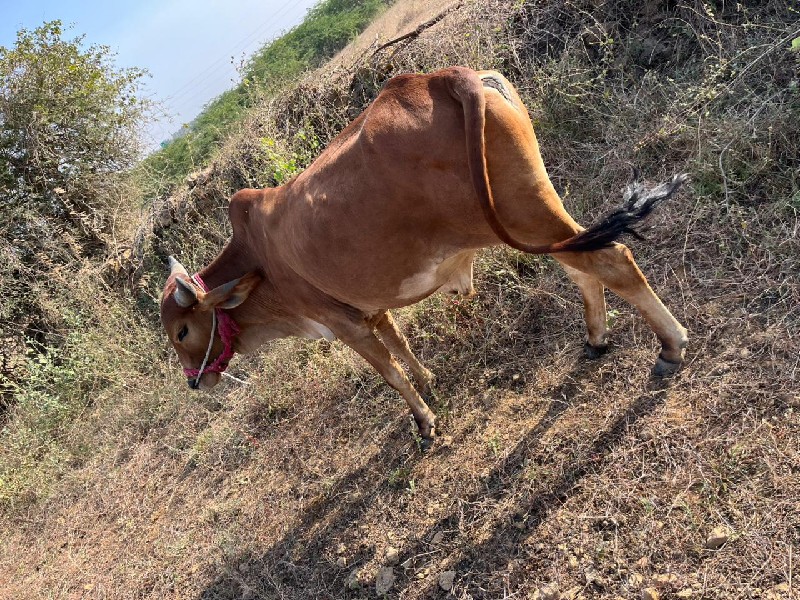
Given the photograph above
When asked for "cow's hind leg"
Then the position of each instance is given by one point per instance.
(397, 344)
(361, 338)
(594, 309)
(615, 268)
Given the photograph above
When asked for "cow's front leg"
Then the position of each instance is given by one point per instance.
(363, 340)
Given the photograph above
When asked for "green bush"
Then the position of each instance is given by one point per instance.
(60, 384)
(69, 120)
(69, 127)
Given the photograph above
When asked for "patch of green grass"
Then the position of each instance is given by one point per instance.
(63, 384)
(57, 390)
(400, 478)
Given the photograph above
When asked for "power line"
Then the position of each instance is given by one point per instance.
(174, 103)
(220, 63)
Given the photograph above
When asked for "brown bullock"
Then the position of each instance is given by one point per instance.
(438, 167)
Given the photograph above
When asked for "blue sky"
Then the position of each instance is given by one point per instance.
(186, 45)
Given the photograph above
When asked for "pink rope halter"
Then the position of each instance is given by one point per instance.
(228, 330)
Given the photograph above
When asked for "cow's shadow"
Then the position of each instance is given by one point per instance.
(298, 566)
(494, 552)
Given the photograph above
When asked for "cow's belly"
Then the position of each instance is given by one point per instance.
(452, 275)
(392, 288)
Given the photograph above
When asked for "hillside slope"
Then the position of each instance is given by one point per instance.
(554, 476)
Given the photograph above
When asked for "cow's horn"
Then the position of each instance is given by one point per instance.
(176, 268)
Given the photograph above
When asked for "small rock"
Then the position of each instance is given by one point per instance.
(446, 580)
(649, 594)
(591, 576)
(392, 555)
(437, 538)
(782, 587)
(665, 580)
(549, 592)
(717, 537)
(572, 593)
(573, 562)
(635, 580)
(384, 580)
(778, 592)
(247, 593)
(353, 582)
(687, 593)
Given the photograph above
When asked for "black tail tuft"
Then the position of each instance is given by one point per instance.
(639, 202)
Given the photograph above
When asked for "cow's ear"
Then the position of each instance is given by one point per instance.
(186, 294)
(231, 294)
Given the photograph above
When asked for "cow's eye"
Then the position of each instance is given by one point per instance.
(182, 333)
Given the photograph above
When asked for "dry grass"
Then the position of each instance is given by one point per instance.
(400, 18)
(551, 472)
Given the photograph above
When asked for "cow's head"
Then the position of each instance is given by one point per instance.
(195, 324)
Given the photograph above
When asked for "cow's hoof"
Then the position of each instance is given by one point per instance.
(665, 368)
(594, 352)
(426, 433)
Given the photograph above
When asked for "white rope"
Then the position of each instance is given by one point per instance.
(236, 379)
(210, 342)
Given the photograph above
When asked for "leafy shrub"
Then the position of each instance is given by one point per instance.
(68, 128)
(70, 120)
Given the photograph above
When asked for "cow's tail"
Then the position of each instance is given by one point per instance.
(639, 202)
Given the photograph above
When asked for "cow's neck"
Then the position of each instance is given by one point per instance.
(228, 265)
(260, 318)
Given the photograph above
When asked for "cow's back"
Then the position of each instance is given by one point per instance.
(377, 220)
